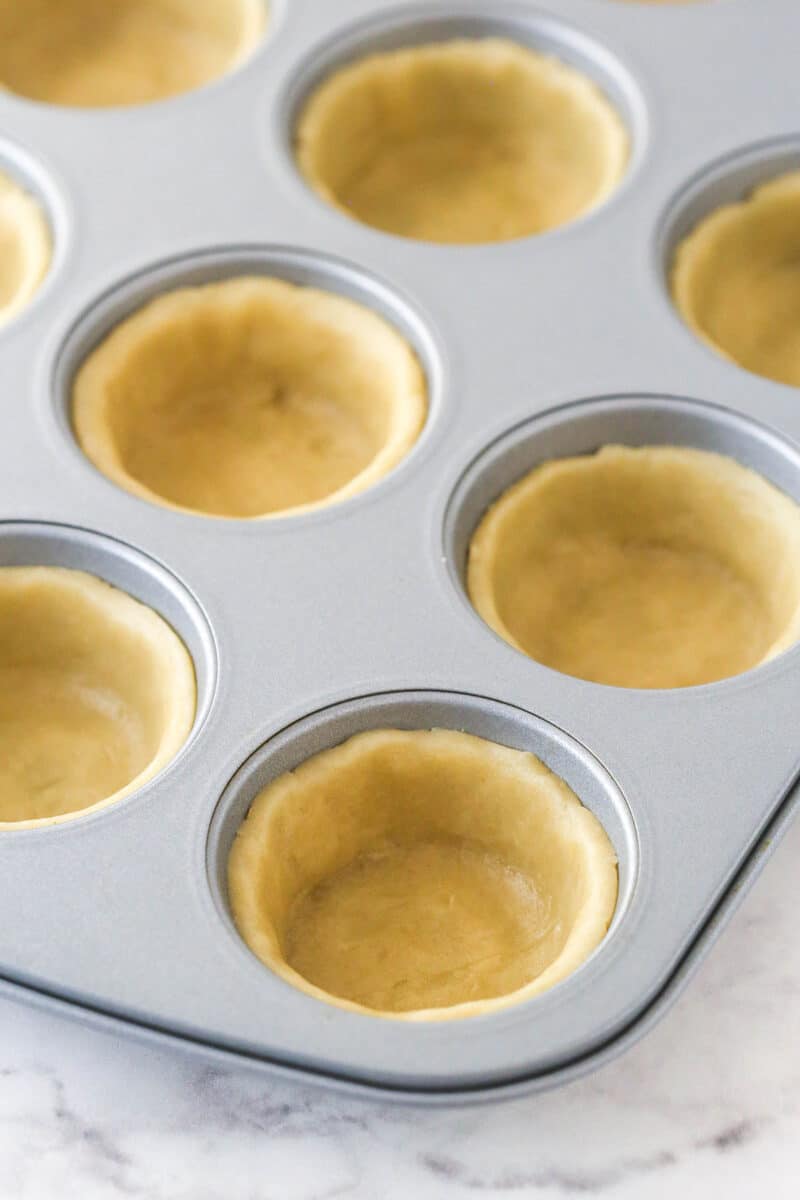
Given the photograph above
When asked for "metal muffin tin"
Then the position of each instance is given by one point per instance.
(307, 629)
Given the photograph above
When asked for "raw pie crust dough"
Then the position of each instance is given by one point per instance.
(421, 875)
(656, 567)
(736, 280)
(462, 141)
(25, 247)
(97, 694)
(100, 53)
(248, 398)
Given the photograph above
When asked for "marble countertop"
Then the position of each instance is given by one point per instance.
(708, 1104)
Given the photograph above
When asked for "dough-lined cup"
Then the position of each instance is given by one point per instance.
(651, 567)
(103, 53)
(25, 247)
(736, 280)
(97, 695)
(464, 141)
(249, 398)
(421, 875)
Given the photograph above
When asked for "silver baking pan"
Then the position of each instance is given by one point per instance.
(307, 629)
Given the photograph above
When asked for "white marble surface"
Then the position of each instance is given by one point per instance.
(708, 1104)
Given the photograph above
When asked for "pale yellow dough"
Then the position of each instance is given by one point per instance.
(248, 398)
(100, 53)
(25, 247)
(462, 141)
(421, 875)
(656, 567)
(97, 695)
(736, 280)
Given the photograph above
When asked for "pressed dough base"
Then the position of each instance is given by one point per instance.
(62, 741)
(248, 398)
(469, 926)
(463, 141)
(652, 567)
(423, 874)
(736, 280)
(25, 247)
(99, 53)
(97, 694)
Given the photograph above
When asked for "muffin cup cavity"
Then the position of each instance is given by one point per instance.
(92, 54)
(99, 692)
(639, 563)
(26, 246)
(735, 279)
(248, 396)
(385, 857)
(461, 130)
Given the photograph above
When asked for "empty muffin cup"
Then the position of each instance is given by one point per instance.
(97, 694)
(421, 875)
(736, 280)
(463, 141)
(25, 247)
(100, 53)
(650, 567)
(249, 398)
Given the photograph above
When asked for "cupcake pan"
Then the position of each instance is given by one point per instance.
(305, 630)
